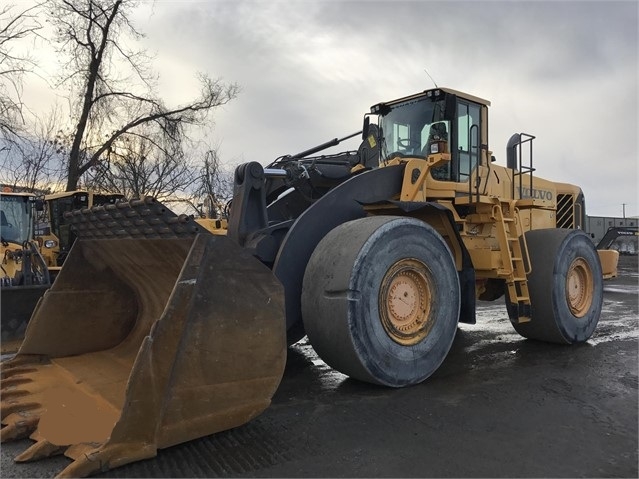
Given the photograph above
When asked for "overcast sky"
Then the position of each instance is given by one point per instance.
(565, 72)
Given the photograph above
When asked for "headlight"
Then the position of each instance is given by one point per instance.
(50, 244)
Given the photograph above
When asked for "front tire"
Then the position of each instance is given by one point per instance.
(381, 299)
(566, 287)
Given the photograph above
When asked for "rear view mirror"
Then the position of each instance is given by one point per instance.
(365, 128)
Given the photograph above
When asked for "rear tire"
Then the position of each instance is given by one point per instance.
(566, 287)
(381, 299)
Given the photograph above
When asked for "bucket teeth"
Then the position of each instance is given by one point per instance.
(105, 458)
(18, 404)
(12, 393)
(13, 381)
(14, 373)
(18, 362)
(19, 429)
(39, 450)
(15, 406)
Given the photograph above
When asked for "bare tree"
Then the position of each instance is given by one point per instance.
(143, 164)
(15, 25)
(101, 71)
(34, 161)
(214, 186)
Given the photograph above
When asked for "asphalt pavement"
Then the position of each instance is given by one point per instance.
(499, 406)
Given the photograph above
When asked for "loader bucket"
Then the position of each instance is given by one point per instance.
(609, 258)
(154, 333)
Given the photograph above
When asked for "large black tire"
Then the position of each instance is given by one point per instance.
(566, 287)
(381, 299)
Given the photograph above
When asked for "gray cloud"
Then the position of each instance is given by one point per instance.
(565, 72)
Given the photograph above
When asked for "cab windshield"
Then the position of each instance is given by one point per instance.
(413, 127)
(58, 207)
(16, 220)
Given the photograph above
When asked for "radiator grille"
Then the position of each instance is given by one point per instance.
(565, 211)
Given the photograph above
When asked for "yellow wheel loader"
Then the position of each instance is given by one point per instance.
(157, 331)
(24, 274)
(56, 236)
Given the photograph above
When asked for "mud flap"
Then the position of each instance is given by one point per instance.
(142, 344)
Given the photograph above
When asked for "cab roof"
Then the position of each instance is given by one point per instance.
(435, 91)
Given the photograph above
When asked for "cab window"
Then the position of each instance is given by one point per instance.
(467, 138)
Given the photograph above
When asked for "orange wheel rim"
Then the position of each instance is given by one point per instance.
(579, 287)
(405, 301)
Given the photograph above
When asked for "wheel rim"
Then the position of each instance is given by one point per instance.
(579, 287)
(406, 297)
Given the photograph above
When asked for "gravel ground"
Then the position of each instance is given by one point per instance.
(499, 406)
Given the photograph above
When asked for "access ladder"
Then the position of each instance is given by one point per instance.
(514, 251)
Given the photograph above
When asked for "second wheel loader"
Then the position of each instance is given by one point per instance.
(56, 236)
(24, 273)
(157, 331)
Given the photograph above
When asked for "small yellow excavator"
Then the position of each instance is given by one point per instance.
(157, 331)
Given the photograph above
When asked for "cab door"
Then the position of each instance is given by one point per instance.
(468, 126)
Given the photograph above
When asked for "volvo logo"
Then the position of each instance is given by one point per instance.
(536, 194)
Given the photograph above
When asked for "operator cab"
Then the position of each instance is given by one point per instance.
(16, 217)
(435, 122)
(61, 203)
